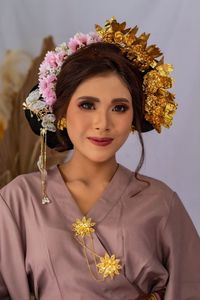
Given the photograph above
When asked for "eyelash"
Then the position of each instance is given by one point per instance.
(81, 105)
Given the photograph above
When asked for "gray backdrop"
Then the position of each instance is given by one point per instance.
(172, 156)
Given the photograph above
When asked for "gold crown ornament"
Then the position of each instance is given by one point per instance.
(160, 106)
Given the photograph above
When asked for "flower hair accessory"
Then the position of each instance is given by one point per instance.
(160, 106)
(51, 66)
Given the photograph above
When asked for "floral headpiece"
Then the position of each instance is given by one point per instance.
(159, 102)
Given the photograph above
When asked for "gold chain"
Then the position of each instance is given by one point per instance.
(88, 264)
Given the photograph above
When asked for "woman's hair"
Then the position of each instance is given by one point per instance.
(92, 60)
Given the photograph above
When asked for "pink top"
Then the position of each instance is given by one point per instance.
(146, 227)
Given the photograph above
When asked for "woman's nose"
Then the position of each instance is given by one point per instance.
(102, 120)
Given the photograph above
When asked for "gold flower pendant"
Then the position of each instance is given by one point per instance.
(108, 266)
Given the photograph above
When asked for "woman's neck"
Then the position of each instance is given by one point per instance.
(88, 172)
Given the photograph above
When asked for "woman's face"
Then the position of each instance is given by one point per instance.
(101, 107)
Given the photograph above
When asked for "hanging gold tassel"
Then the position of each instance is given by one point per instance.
(42, 164)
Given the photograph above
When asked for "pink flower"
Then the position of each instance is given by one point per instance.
(46, 81)
(47, 87)
(78, 41)
(81, 38)
(50, 59)
(50, 96)
(73, 45)
(43, 68)
(60, 57)
(93, 37)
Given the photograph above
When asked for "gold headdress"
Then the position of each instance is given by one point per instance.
(159, 102)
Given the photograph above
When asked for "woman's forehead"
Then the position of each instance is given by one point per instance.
(103, 85)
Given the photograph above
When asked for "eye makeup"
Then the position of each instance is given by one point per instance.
(88, 103)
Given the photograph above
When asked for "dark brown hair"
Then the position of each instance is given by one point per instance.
(93, 60)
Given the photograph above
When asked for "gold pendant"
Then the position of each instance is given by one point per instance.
(109, 265)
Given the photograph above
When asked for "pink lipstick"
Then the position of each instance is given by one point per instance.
(100, 141)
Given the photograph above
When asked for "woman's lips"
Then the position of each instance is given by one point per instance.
(100, 141)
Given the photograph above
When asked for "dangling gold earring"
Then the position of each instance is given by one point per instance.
(62, 124)
(132, 128)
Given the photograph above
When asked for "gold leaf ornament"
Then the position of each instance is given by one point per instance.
(135, 48)
(159, 106)
(165, 69)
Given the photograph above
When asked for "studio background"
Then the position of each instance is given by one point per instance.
(173, 155)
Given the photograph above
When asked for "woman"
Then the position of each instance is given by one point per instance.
(105, 232)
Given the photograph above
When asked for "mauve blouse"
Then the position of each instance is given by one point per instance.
(145, 226)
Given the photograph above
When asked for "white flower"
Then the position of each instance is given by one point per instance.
(48, 122)
(37, 106)
(49, 118)
(33, 97)
(61, 47)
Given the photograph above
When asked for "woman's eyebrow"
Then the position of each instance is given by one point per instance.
(95, 99)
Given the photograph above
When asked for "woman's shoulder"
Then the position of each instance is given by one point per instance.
(149, 190)
(150, 200)
(146, 182)
(23, 186)
(17, 192)
(20, 182)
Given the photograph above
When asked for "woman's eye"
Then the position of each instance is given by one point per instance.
(121, 108)
(86, 105)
